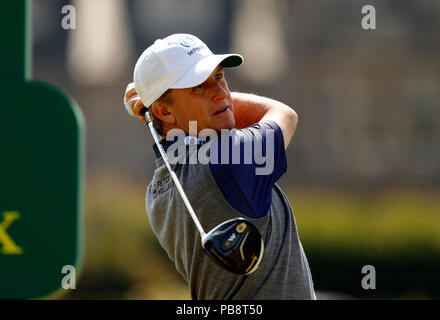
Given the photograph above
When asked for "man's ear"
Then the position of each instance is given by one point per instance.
(161, 111)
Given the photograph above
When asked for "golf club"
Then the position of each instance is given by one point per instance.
(235, 245)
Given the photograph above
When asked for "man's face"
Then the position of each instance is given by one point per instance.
(210, 104)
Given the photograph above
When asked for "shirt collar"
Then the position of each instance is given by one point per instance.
(167, 143)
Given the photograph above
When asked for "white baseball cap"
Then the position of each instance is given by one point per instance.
(176, 62)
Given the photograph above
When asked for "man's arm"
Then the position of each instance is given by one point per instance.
(250, 109)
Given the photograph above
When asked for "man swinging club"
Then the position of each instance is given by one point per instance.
(180, 81)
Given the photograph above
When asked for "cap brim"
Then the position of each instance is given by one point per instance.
(199, 72)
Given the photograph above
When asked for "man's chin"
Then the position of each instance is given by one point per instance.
(226, 125)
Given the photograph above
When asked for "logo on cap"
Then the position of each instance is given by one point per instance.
(187, 41)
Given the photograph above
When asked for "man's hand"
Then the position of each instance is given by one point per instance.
(133, 104)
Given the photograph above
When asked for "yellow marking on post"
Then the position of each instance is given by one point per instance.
(8, 244)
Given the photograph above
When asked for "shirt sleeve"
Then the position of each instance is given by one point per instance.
(246, 165)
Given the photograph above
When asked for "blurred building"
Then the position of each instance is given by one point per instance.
(367, 100)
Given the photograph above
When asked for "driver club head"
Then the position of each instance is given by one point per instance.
(235, 245)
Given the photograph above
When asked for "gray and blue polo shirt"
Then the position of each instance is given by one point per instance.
(240, 184)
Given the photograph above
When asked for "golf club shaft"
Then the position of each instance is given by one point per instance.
(173, 175)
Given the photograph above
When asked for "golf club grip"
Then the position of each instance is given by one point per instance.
(144, 113)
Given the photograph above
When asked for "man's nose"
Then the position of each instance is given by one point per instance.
(217, 90)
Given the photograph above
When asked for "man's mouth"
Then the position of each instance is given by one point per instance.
(221, 110)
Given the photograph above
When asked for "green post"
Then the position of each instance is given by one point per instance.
(42, 149)
(16, 24)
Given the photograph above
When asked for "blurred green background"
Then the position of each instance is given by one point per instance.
(364, 166)
(395, 230)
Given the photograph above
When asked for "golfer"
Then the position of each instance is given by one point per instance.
(191, 107)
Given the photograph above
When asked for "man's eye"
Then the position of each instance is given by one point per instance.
(200, 86)
(218, 76)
